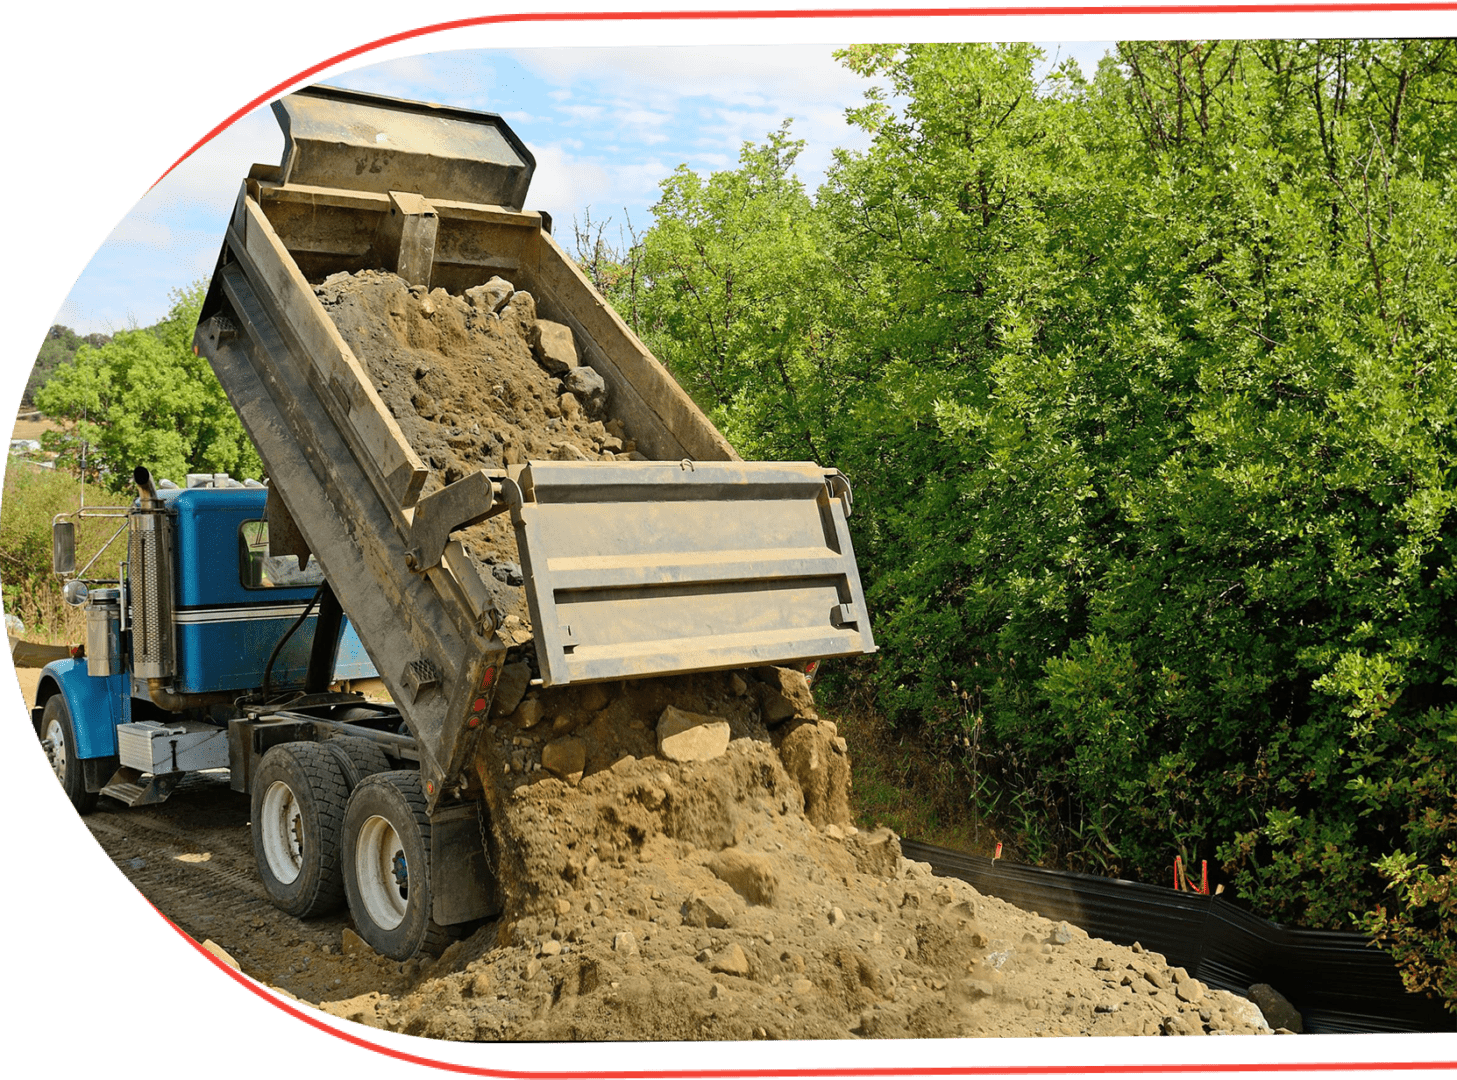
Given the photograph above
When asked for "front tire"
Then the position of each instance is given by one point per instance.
(58, 736)
(299, 793)
(387, 866)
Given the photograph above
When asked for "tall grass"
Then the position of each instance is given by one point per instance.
(31, 498)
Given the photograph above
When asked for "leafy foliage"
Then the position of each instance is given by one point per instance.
(58, 348)
(1146, 382)
(144, 398)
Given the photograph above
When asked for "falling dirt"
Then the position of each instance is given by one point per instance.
(677, 856)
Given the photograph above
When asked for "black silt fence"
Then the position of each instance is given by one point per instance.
(1339, 981)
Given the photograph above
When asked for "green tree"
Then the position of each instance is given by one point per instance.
(1146, 385)
(732, 283)
(144, 398)
(58, 348)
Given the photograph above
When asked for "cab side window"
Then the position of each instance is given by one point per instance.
(259, 570)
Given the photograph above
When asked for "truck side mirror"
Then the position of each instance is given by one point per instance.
(63, 547)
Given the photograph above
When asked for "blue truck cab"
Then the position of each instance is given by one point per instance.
(203, 619)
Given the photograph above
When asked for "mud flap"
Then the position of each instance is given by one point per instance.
(462, 885)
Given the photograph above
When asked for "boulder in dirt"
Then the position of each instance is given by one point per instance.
(730, 961)
(809, 757)
(565, 451)
(490, 297)
(588, 388)
(790, 686)
(566, 758)
(521, 310)
(351, 944)
(527, 714)
(510, 686)
(553, 346)
(508, 573)
(1276, 1007)
(748, 874)
(707, 912)
(685, 736)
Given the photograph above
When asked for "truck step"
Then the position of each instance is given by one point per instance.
(127, 786)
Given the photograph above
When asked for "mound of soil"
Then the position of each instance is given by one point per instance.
(677, 866)
(676, 855)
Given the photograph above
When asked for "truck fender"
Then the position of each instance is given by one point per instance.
(96, 705)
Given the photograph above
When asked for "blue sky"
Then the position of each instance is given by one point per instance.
(605, 125)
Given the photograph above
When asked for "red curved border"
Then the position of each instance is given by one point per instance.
(308, 1016)
(1279, 7)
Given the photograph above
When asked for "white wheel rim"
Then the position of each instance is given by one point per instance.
(282, 829)
(56, 750)
(382, 873)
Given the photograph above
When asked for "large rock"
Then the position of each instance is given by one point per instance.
(810, 757)
(492, 296)
(783, 693)
(730, 961)
(511, 684)
(748, 874)
(707, 911)
(566, 758)
(528, 713)
(588, 387)
(566, 451)
(685, 736)
(554, 347)
(1278, 1011)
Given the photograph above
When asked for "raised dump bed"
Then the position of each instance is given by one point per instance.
(693, 561)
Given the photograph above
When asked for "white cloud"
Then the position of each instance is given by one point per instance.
(736, 75)
(609, 125)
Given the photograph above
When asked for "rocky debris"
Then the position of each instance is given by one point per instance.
(588, 387)
(490, 297)
(509, 572)
(554, 347)
(1276, 1008)
(821, 769)
(476, 382)
(221, 953)
(566, 758)
(784, 693)
(730, 961)
(685, 736)
(511, 685)
(351, 944)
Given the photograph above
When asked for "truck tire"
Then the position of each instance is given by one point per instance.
(387, 866)
(299, 794)
(58, 736)
(358, 757)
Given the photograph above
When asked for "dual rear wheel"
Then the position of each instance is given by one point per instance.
(332, 824)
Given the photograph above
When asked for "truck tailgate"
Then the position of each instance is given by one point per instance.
(650, 568)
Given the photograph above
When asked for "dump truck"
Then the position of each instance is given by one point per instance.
(348, 565)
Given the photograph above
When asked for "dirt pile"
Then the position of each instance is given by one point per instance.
(667, 880)
(676, 854)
